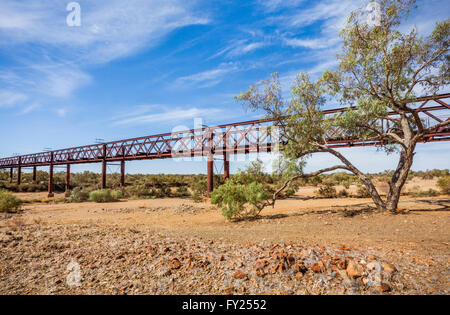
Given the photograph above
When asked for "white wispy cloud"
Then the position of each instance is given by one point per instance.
(163, 114)
(206, 78)
(30, 108)
(316, 43)
(11, 98)
(110, 30)
(59, 80)
(238, 48)
(273, 5)
(62, 111)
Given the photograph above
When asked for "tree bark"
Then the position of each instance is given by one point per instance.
(400, 176)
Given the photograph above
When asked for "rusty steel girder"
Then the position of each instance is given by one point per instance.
(238, 138)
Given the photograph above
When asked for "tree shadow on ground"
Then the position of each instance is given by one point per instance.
(444, 205)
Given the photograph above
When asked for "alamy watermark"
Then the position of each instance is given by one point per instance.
(74, 17)
(374, 16)
(240, 143)
(74, 277)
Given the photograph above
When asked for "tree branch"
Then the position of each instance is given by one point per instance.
(289, 181)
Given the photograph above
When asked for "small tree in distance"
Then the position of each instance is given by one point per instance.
(380, 69)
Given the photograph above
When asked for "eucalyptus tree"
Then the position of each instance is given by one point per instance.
(380, 69)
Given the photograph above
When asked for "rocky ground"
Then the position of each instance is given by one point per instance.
(38, 258)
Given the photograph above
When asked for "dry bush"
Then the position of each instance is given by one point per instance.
(327, 190)
(444, 184)
(9, 202)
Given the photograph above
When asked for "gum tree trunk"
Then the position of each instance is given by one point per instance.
(400, 176)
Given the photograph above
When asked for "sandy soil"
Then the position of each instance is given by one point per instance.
(417, 242)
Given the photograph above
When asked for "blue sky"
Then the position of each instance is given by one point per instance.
(142, 67)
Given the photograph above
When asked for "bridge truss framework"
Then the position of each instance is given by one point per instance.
(256, 136)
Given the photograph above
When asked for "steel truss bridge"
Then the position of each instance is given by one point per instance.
(254, 136)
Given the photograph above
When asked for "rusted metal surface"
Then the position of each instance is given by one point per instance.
(122, 173)
(237, 138)
(68, 178)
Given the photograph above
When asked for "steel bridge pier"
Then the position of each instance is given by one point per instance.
(68, 180)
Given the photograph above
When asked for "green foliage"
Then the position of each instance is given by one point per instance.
(379, 70)
(199, 189)
(105, 195)
(289, 192)
(239, 201)
(327, 190)
(79, 195)
(9, 202)
(343, 193)
(416, 192)
(444, 184)
(182, 191)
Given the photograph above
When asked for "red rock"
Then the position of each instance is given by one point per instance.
(383, 287)
(354, 270)
(240, 275)
(229, 291)
(318, 267)
(290, 259)
(281, 267)
(388, 267)
(175, 263)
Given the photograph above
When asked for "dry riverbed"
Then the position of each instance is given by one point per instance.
(176, 246)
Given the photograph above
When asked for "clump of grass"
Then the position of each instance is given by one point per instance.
(417, 192)
(289, 192)
(9, 202)
(327, 190)
(444, 184)
(105, 195)
(79, 195)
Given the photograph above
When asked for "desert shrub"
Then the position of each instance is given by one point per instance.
(79, 195)
(182, 191)
(239, 201)
(289, 192)
(362, 192)
(198, 189)
(343, 193)
(427, 193)
(444, 184)
(163, 191)
(9, 202)
(140, 191)
(327, 190)
(105, 195)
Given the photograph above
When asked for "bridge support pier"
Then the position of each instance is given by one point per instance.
(226, 166)
(103, 183)
(19, 175)
(122, 173)
(68, 181)
(11, 174)
(210, 175)
(34, 173)
(50, 182)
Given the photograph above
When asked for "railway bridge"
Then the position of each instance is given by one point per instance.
(237, 138)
